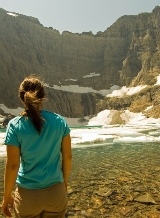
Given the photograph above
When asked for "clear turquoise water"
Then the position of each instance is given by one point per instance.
(125, 171)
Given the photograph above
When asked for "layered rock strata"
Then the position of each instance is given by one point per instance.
(126, 54)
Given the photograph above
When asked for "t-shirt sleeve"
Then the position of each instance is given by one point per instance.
(66, 128)
(11, 137)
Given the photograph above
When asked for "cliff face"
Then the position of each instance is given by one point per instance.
(72, 104)
(127, 53)
(143, 59)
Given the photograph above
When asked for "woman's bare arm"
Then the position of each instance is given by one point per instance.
(11, 171)
(66, 157)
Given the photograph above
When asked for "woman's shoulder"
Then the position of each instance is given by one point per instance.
(50, 114)
(15, 120)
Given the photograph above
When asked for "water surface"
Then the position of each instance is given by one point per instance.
(116, 180)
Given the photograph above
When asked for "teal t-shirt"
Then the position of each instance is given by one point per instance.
(40, 164)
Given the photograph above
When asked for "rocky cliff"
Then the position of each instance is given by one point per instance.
(126, 54)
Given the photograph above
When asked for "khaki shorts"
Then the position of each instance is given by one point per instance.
(41, 203)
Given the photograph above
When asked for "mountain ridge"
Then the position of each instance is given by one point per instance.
(126, 54)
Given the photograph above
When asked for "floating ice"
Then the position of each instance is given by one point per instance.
(137, 128)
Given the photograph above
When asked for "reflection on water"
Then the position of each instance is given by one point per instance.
(120, 180)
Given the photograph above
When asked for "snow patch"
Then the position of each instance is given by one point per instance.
(114, 91)
(14, 112)
(148, 108)
(71, 80)
(92, 75)
(12, 14)
(79, 89)
(126, 91)
(158, 80)
(105, 117)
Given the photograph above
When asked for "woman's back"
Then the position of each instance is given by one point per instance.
(40, 153)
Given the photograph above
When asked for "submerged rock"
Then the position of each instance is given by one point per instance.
(146, 198)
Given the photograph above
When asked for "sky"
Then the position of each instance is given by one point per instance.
(78, 16)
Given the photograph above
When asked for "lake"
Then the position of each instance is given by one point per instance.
(113, 178)
(116, 180)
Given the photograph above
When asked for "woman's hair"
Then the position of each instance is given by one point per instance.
(31, 93)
